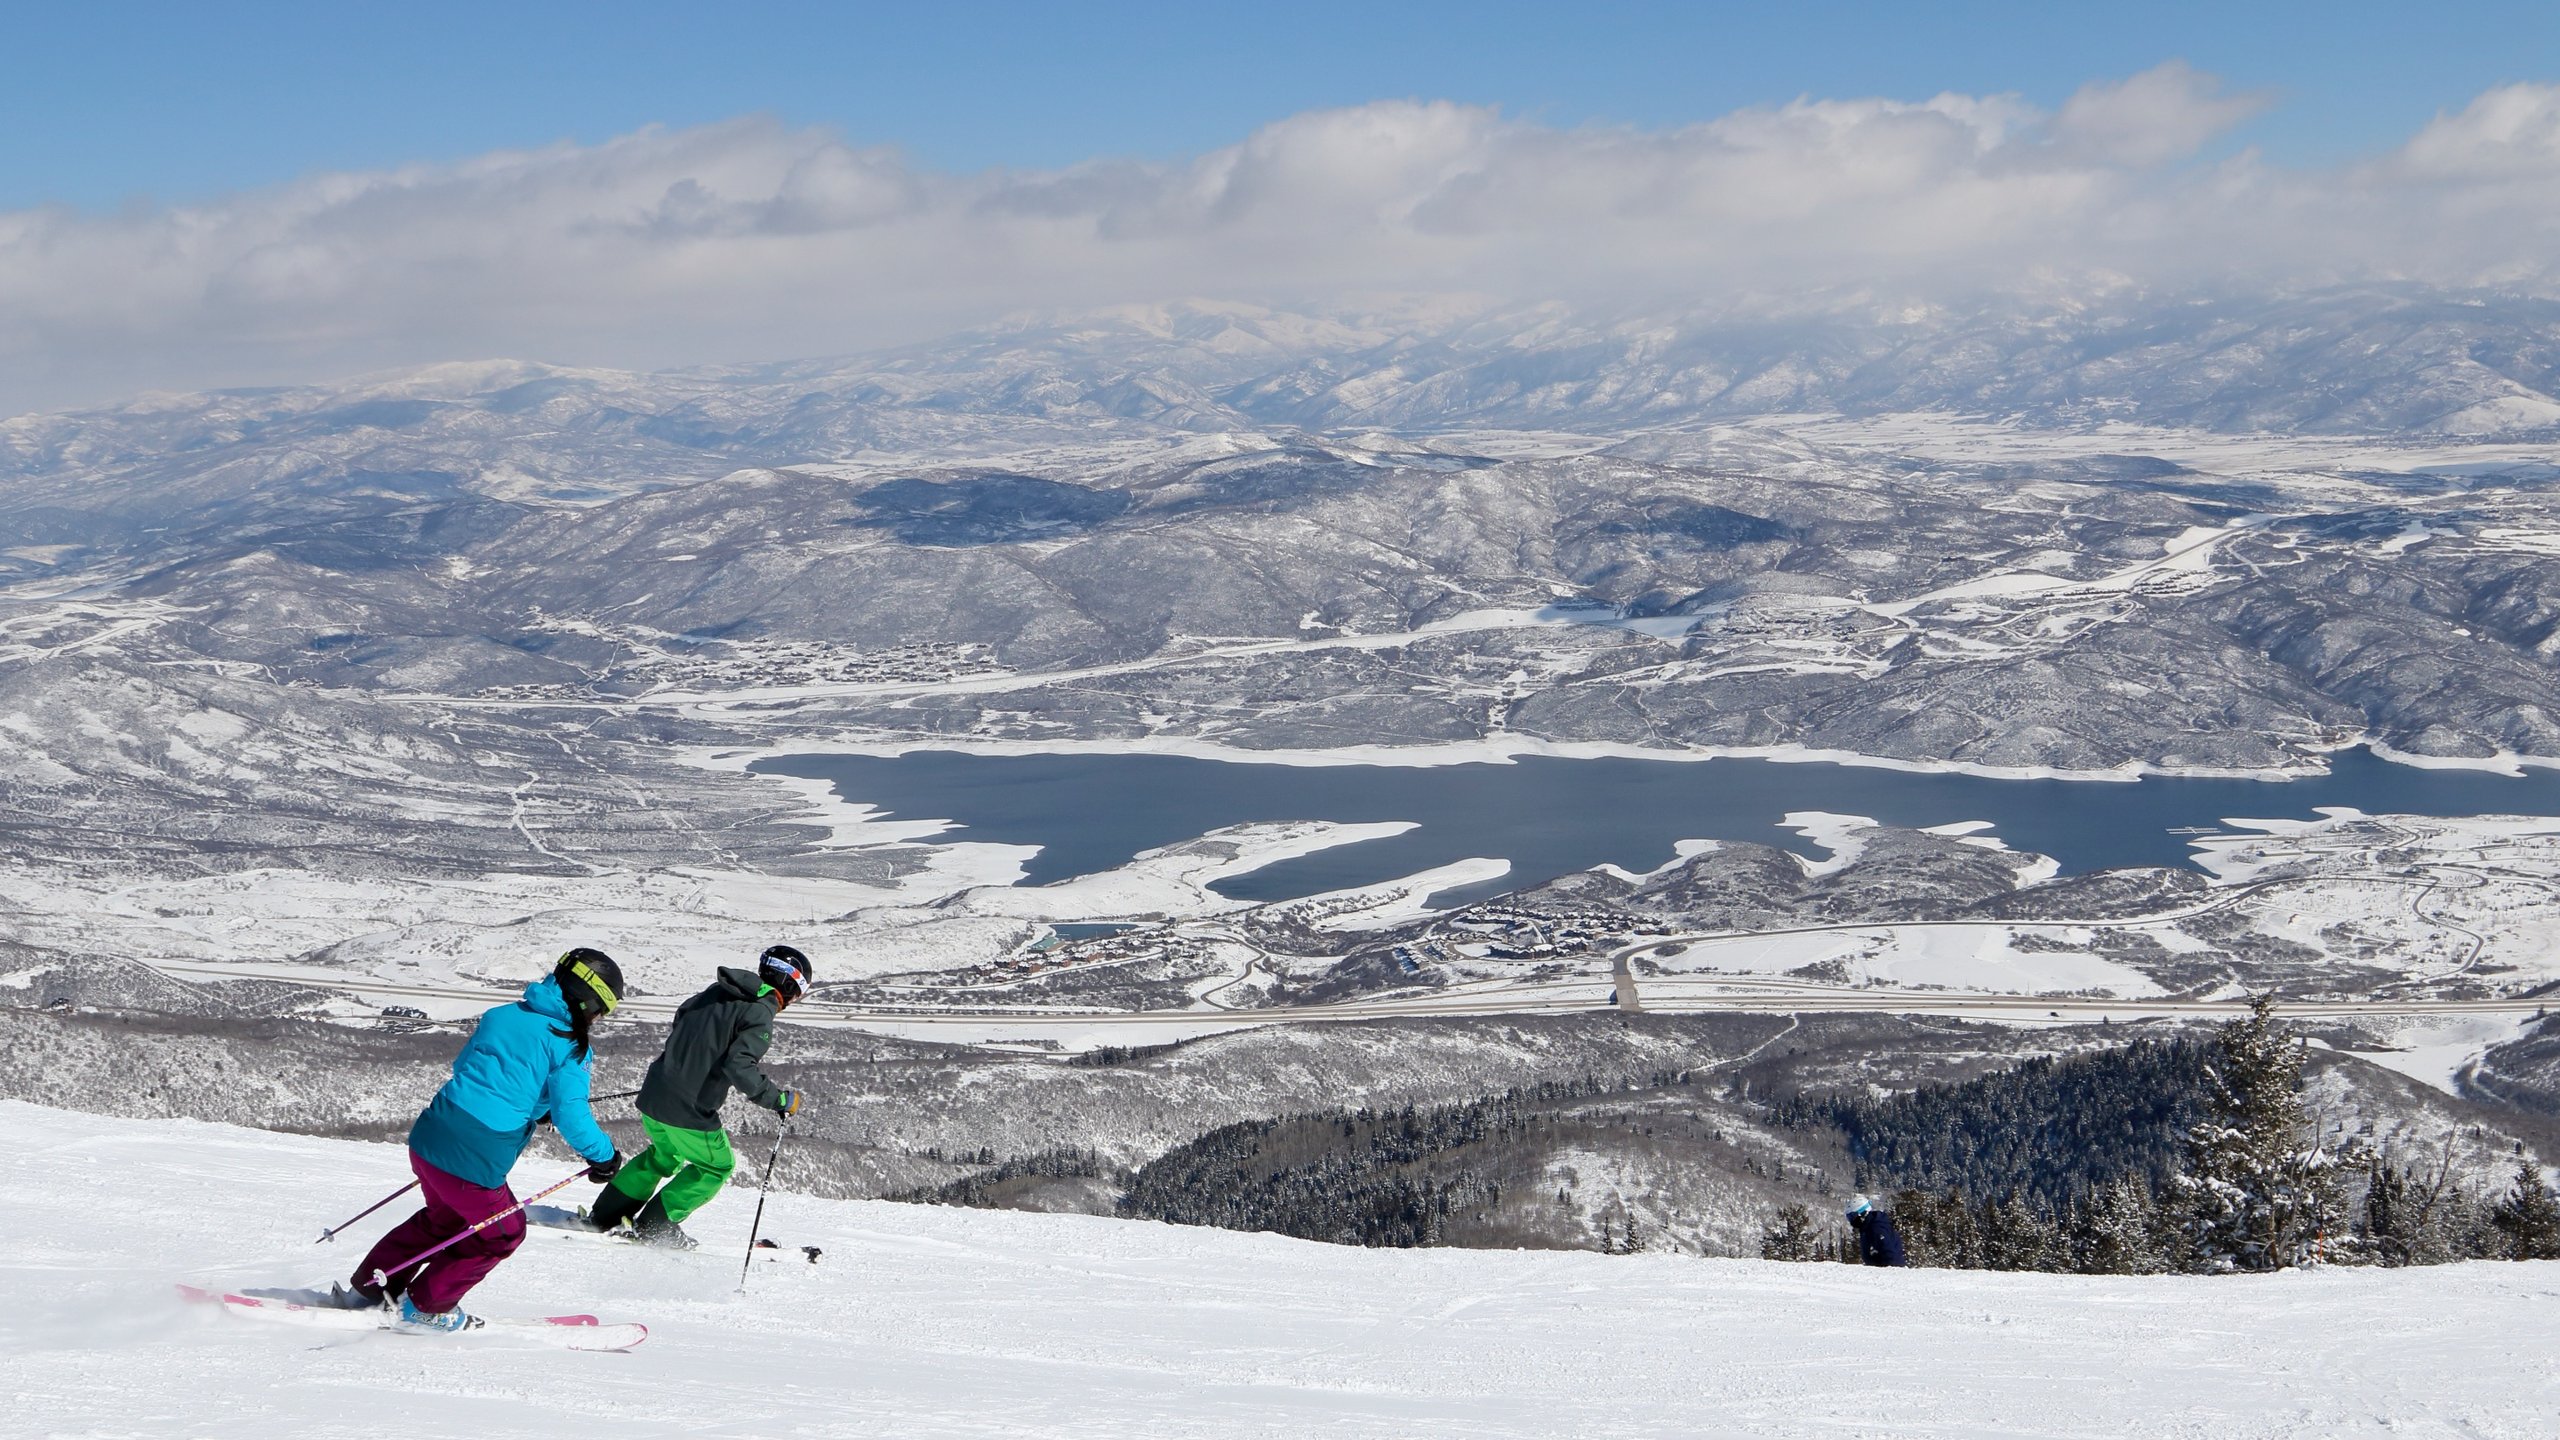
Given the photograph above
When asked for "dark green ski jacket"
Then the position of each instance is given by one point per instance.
(719, 1036)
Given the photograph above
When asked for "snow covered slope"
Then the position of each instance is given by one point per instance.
(927, 1322)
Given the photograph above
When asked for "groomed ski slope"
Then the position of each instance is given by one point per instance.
(930, 1322)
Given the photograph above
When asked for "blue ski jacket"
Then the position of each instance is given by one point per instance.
(516, 1071)
(1879, 1241)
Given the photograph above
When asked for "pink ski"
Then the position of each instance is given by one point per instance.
(569, 1332)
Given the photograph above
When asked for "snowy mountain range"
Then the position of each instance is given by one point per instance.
(1044, 503)
(457, 618)
(2363, 361)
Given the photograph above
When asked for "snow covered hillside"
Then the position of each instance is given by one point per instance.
(923, 1321)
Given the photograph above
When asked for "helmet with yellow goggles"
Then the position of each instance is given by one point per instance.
(589, 980)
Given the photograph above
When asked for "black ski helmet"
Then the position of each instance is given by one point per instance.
(786, 969)
(589, 980)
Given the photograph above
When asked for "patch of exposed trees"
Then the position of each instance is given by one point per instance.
(2183, 1156)
(1390, 1177)
(2178, 1155)
(988, 1188)
(2054, 1131)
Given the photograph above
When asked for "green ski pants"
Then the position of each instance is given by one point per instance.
(692, 1164)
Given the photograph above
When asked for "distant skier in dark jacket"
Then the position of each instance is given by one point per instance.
(524, 1063)
(714, 1046)
(1879, 1243)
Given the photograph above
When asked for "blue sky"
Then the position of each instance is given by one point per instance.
(105, 103)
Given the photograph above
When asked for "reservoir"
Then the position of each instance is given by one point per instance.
(1550, 817)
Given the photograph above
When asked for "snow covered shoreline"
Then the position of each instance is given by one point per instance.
(931, 1322)
(1509, 749)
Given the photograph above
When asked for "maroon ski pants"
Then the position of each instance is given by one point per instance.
(452, 1207)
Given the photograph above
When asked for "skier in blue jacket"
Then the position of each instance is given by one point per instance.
(525, 1063)
(1879, 1242)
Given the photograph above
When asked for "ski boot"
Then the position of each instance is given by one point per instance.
(611, 1213)
(654, 1228)
(348, 1297)
(446, 1322)
(665, 1235)
(618, 1226)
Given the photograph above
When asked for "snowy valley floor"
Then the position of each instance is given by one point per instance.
(932, 1322)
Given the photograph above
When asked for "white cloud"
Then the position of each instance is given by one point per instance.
(2165, 113)
(751, 240)
(2512, 132)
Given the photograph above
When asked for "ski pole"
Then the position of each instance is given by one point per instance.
(765, 1189)
(616, 1095)
(332, 1232)
(381, 1277)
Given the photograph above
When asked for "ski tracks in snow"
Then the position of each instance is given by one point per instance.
(931, 1322)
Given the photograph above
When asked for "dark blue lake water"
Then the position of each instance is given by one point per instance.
(1551, 817)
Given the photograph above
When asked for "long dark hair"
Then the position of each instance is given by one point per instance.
(580, 1034)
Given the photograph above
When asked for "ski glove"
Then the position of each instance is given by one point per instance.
(604, 1169)
(788, 1103)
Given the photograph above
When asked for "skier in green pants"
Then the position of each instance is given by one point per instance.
(718, 1037)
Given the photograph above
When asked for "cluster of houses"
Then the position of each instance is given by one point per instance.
(1053, 952)
(1512, 932)
(745, 664)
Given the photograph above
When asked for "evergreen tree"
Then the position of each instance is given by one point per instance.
(1791, 1236)
(2528, 1220)
(2394, 1232)
(2018, 1236)
(1938, 1231)
(2417, 1215)
(2119, 1231)
(2468, 1227)
(2259, 1193)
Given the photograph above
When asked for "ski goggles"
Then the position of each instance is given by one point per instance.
(593, 981)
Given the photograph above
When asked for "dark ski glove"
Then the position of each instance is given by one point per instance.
(604, 1169)
(788, 1103)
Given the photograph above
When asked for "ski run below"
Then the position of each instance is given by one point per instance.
(933, 1322)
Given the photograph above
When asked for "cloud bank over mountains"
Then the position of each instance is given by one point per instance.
(750, 240)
